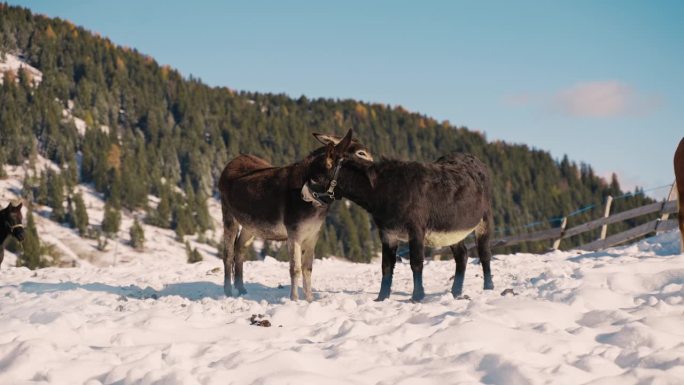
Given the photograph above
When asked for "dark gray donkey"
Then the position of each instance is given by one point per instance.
(426, 204)
(267, 202)
(10, 224)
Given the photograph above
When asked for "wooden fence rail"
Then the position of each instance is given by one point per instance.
(666, 207)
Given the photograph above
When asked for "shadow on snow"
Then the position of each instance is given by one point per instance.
(193, 291)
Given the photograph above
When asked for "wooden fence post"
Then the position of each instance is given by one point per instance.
(670, 196)
(606, 213)
(556, 243)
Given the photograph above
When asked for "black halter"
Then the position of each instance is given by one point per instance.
(11, 227)
(327, 197)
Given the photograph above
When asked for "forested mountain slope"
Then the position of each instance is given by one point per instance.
(142, 129)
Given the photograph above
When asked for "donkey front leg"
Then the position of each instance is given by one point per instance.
(417, 251)
(307, 267)
(389, 260)
(230, 231)
(295, 251)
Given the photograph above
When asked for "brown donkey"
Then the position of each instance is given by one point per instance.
(679, 176)
(266, 201)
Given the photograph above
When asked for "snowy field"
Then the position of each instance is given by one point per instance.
(612, 317)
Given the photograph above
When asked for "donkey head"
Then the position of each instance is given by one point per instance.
(12, 220)
(323, 173)
(354, 148)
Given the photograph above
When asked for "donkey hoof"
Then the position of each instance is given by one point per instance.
(489, 286)
(456, 293)
(228, 291)
(418, 296)
(241, 291)
(381, 298)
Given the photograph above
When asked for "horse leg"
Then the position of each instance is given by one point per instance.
(417, 251)
(389, 260)
(484, 251)
(307, 266)
(230, 232)
(295, 250)
(241, 242)
(461, 257)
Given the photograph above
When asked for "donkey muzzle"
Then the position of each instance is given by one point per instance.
(308, 196)
(18, 232)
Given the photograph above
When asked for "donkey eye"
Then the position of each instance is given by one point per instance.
(363, 155)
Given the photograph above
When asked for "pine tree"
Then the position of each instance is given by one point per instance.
(111, 220)
(80, 215)
(31, 257)
(160, 216)
(42, 192)
(352, 244)
(56, 196)
(202, 217)
(194, 256)
(182, 221)
(137, 234)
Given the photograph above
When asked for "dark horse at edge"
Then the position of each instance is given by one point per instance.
(679, 177)
(10, 224)
(427, 204)
(266, 201)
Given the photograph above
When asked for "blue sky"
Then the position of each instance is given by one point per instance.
(600, 81)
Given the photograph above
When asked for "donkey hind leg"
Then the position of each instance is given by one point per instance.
(294, 248)
(2, 253)
(242, 241)
(461, 257)
(482, 234)
(230, 233)
(389, 260)
(417, 252)
(307, 266)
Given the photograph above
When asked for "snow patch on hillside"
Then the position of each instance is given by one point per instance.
(81, 251)
(13, 63)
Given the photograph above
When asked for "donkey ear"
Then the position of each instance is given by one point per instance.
(343, 145)
(21, 204)
(326, 139)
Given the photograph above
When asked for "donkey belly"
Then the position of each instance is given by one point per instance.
(433, 238)
(269, 230)
(446, 238)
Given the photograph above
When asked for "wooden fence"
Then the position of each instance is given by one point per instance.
(557, 234)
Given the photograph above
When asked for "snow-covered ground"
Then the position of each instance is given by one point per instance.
(612, 317)
(128, 317)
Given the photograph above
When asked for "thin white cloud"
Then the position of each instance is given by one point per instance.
(518, 100)
(601, 99)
